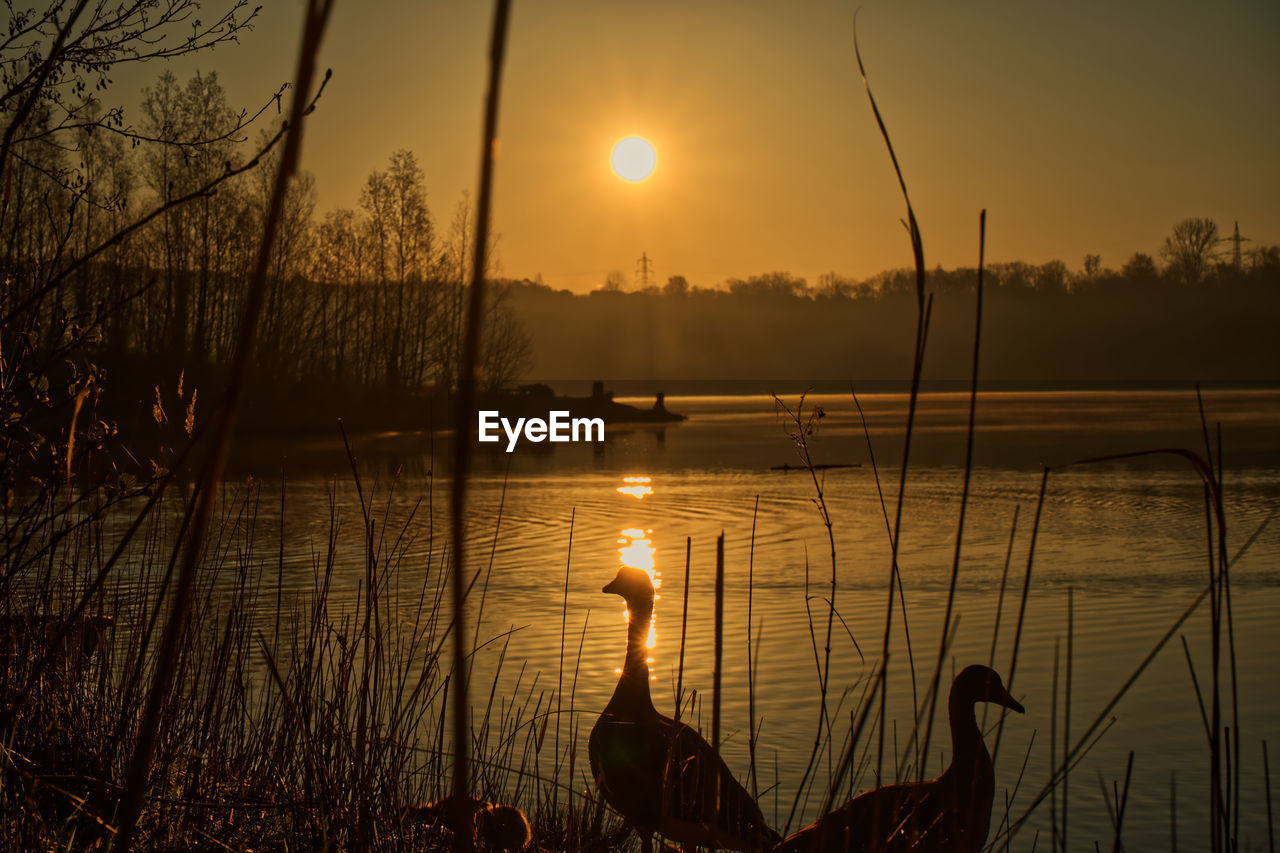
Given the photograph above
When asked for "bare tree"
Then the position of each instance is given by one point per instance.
(614, 282)
(507, 345)
(403, 242)
(458, 251)
(833, 285)
(194, 243)
(294, 238)
(339, 265)
(1192, 249)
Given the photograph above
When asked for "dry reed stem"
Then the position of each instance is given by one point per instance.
(465, 403)
(936, 685)
(752, 660)
(684, 624)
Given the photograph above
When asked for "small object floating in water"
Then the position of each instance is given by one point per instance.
(494, 828)
(816, 467)
(659, 773)
(950, 813)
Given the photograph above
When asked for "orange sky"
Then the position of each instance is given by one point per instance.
(1081, 127)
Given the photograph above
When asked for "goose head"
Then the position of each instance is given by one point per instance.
(980, 683)
(633, 585)
(503, 829)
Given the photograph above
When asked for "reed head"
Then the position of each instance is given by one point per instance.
(980, 683)
(632, 584)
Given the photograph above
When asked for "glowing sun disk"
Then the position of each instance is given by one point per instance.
(633, 159)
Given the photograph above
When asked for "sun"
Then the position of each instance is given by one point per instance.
(633, 159)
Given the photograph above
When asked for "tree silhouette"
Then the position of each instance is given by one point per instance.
(1192, 249)
(677, 285)
(775, 283)
(1140, 268)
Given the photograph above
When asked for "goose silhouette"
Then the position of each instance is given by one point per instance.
(950, 813)
(494, 828)
(658, 773)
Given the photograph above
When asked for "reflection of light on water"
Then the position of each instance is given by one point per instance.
(637, 487)
(636, 551)
(637, 492)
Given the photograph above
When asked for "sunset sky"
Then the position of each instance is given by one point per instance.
(1083, 127)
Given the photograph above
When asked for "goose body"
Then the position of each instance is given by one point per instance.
(950, 813)
(660, 774)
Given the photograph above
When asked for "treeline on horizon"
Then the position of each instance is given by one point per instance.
(1202, 314)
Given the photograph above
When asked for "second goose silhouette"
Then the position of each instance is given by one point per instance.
(951, 813)
(659, 773)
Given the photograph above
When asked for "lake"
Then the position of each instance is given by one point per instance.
(1123, 541)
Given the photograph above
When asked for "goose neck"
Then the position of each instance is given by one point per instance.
(634, 684)
(967, 745)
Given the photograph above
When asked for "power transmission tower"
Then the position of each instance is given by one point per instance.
(1236, 240)
(644, 271)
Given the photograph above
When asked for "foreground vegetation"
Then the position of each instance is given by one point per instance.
(299, 719)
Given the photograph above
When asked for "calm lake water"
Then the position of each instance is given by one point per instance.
(1123, 540)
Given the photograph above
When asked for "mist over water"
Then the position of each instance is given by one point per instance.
(1126, 538)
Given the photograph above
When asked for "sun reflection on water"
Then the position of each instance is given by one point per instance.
(637, 487)
(636, 550)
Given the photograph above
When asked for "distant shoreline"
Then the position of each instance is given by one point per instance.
(633, 388)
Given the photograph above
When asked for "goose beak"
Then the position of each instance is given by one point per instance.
(1013, 704)
(611, 586)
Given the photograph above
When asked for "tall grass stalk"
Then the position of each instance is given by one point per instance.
(1004, 580)
(902, 601)
(1266, 782)
(684, 626)
(923, 308)
(465, 404)
(717, 671)
(564, 615)
(935, 685)
(804, 428)
(1022, 609)
(1053, 746)
(753, 657)
(1122, 800)
(1066, 710)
